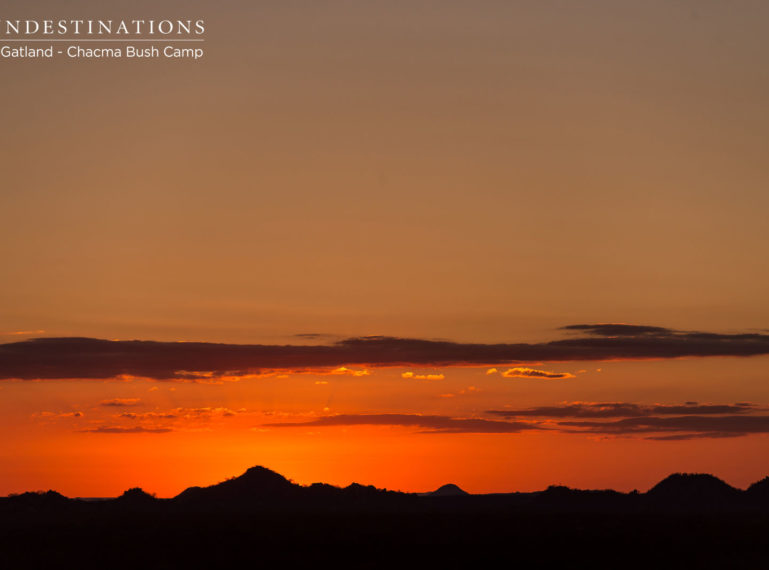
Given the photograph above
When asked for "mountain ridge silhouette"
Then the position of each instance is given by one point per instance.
(261, 487)
(262, 518)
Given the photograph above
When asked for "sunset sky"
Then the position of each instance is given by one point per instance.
(498, 244)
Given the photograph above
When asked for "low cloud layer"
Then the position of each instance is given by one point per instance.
(690, 420)
(204, 413)
(623, 410)
(121, 402)
(428, 424)
(50, 358)
(161, 421)
(675, 428)
(658, 422)
(124, 430)
(415, 376)
(620, 329)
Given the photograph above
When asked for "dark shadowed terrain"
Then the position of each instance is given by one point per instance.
(261, 519)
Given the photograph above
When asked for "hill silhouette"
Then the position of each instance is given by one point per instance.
(136, 495)
(263, 488)
(135, 500)
(758, 492)
(36, 502)
(257, 485)
(694, 490)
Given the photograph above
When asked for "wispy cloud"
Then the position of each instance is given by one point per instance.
(427, 423)
(463, 392)
(415, 376)
(315, 336)
(621, 329)
(522, 372)
(344, 371)
(148, 415)
(22, 333)
(623, 410)
(57, 415)
(125, 430)
(121, 402)
(664, 422)
(676, 427)
(203, 413)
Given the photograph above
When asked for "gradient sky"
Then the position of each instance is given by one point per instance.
(481, 172)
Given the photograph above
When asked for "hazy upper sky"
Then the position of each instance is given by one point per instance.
(456, 169)
(481, 171)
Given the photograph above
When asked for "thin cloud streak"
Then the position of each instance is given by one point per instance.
(125, 430)
(522, 372)
(702, 421)
(121, 402)
(683, 427)
(429, 424)
(622, 410)
(619, 329)
(414, 376)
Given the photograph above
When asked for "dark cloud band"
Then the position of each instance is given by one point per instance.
(94, 358)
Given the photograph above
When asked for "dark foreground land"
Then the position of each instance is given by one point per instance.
(262, 520)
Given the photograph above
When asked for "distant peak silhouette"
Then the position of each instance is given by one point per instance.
(260, 479)
(448, 490)
(257, 483)
(136, 495)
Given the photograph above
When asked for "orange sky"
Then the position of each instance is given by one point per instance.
(215, 430)
(481, 172)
